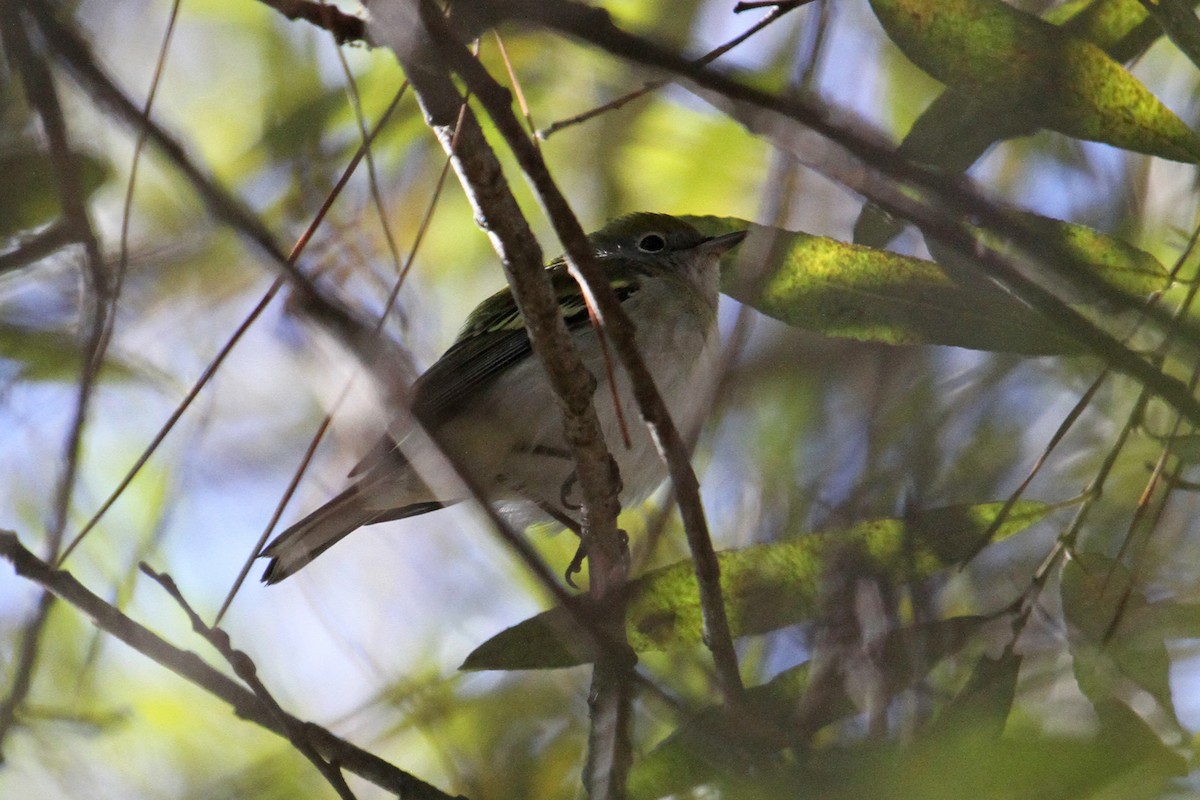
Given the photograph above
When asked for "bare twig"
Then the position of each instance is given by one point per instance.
(192, 668)
(334, 193)
(324, 309)
(37, 247)
(244, 668)
(778, 9)
(344, 27)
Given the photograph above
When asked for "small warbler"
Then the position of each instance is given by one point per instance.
(489, 405)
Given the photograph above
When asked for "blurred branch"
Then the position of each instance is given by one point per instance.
(345, 27)
(38, 84)
(1178, 21)
(192, 668)
(37, 247)
(778, 9)
(874, 170)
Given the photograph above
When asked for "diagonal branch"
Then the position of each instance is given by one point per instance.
(324, 309)
(194, 669)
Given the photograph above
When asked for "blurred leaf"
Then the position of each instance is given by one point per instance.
(1106, 611)
(30, 194)
(984, 703)
(857, 292)
(1031, 70)
(52, 355)
(714, 740)
(766, 586)
(1123, 761)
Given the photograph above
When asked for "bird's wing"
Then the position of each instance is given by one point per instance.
(492, 340)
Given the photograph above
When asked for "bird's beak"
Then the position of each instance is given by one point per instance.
(720, 245)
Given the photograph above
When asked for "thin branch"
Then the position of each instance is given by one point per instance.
(778, 9)
(244, 668)
(621, 333)
(35, 248)
(192, 668)
(321, 307)
(345, 27)
(40, 91)
(326, 205)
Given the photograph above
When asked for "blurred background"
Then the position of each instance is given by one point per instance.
(808, 432)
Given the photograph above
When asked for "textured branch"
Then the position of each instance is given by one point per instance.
(620, 331)
(399, 25)
(192, 668)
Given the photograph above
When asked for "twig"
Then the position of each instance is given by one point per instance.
(37, 247)
(778, 9)
(244, 668)
(301, 243)
(344, 27)
(320, 306)
(192, 668)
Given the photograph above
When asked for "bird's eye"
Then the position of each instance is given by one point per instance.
(652, 243)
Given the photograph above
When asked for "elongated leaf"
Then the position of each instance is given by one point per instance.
(1112, 262)
(767, 586)
(1028, 68)
(857, 292)
(958, 127)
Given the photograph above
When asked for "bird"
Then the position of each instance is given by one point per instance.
(488, 404)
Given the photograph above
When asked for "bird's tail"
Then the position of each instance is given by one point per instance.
(315, 534)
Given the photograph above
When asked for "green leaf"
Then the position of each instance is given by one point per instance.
(30, 195)
(713, 740)
(1040, 74)
(958, 127)
(51, 355)
(1115, 263)
(858, 292)
(1106, 612)
(766, 587)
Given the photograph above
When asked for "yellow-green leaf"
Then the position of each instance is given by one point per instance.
(766, 587)
(30, 195)
(1035, 72)
(958, 127)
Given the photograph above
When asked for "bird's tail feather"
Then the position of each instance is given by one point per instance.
(315, 534)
